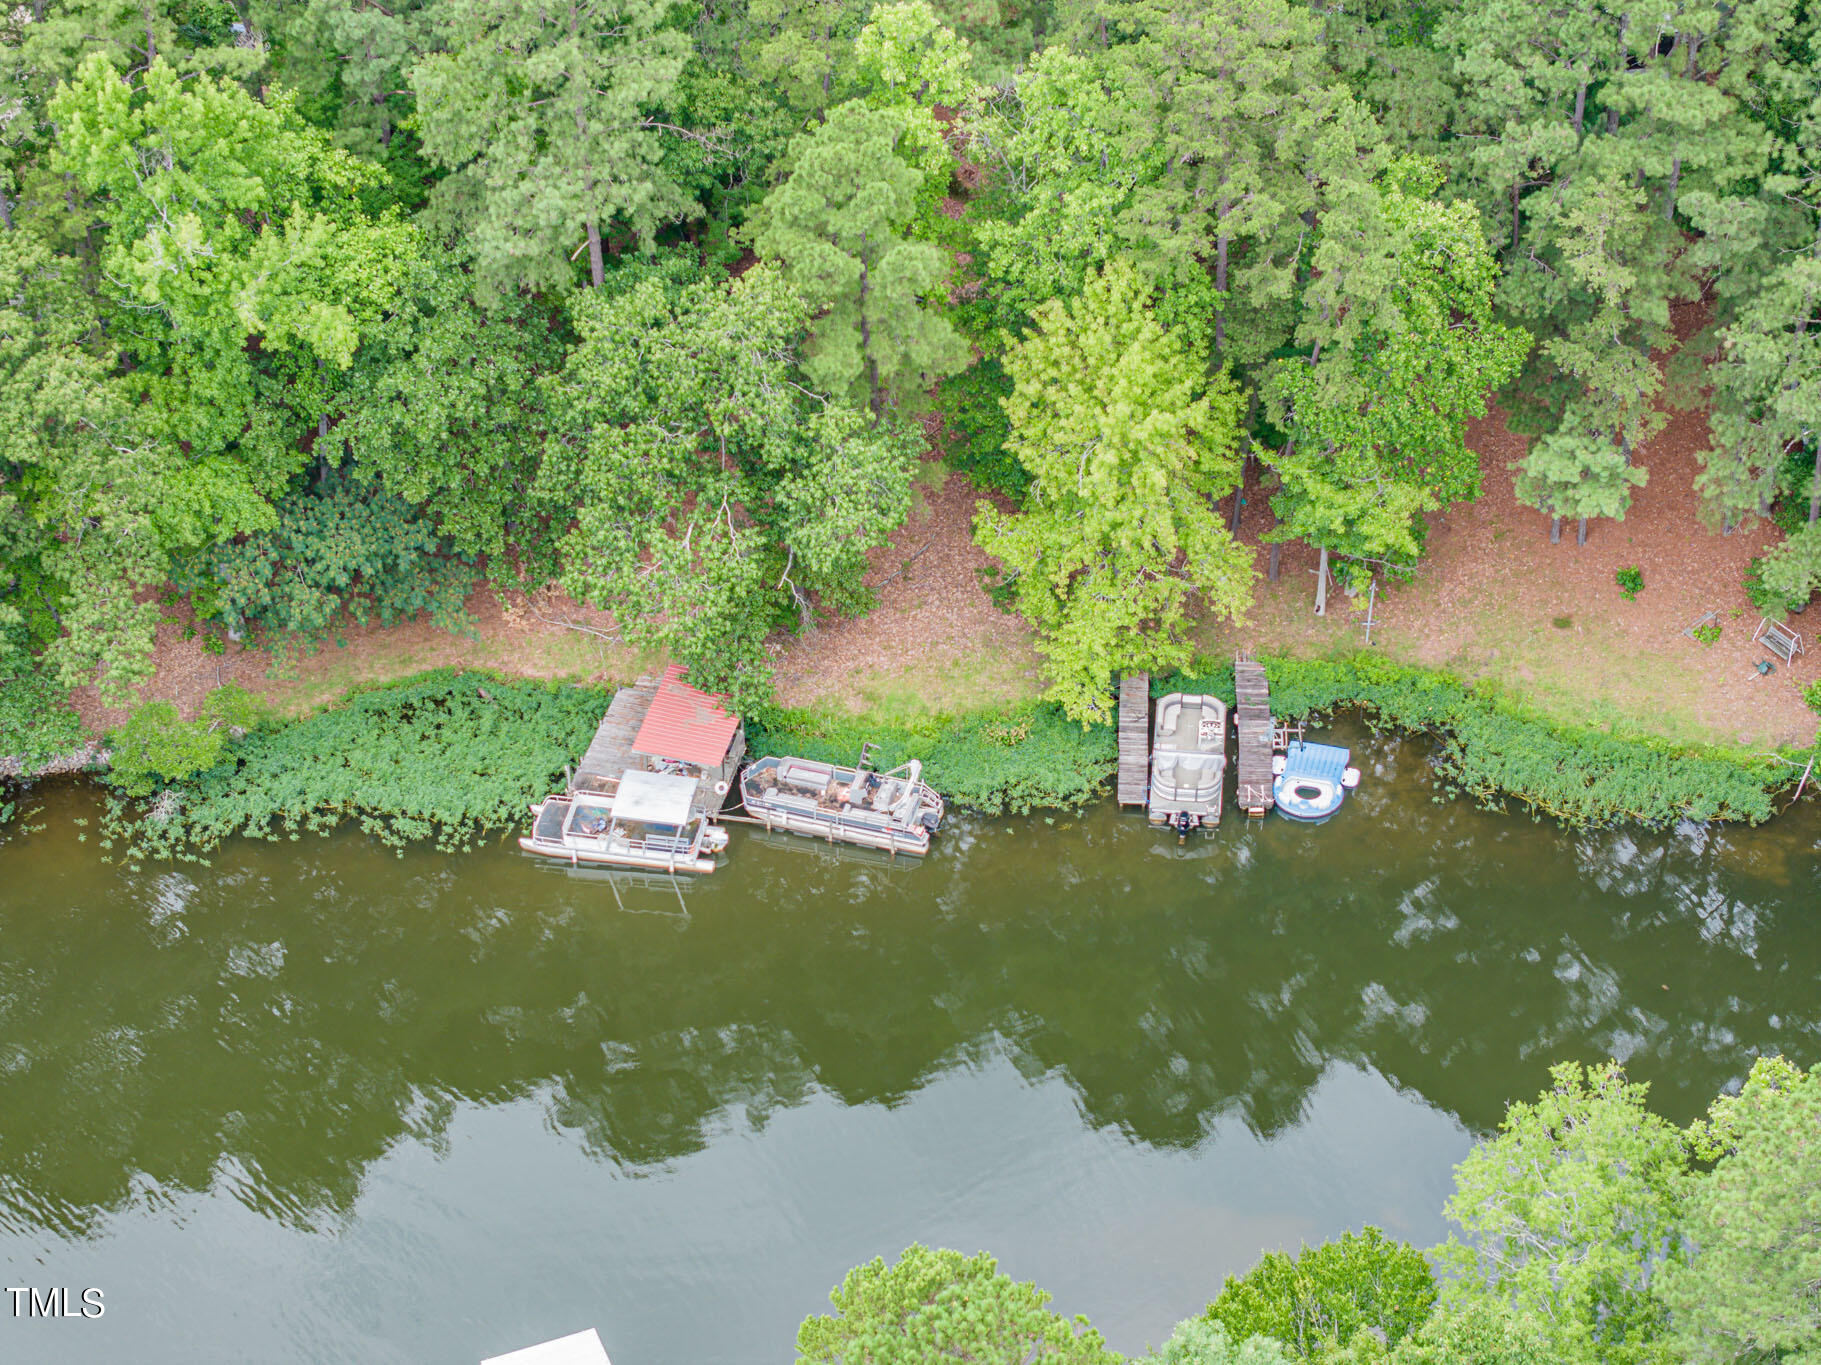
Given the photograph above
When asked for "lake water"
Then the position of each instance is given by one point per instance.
(320, 1102)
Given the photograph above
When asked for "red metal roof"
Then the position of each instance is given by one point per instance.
(685, 723)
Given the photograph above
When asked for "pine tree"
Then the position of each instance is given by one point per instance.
(1401, 352)
(547, 119)
(837, 226)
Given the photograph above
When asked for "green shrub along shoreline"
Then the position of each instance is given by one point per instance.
(1494, 747)
(450, 757)
(446, 757)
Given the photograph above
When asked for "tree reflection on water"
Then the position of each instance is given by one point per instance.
(281, 1019)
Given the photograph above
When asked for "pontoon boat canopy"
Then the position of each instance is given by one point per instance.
(654, 798)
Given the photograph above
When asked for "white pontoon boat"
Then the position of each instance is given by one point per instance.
(895, 811)
(643, 821)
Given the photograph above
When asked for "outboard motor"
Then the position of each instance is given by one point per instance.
(929, 820)
(1184, 823)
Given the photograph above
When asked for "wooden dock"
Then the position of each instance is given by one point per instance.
(1253, 718)
(611, 752)
(1134, 739)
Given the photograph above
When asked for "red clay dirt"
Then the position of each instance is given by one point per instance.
(1492, 598)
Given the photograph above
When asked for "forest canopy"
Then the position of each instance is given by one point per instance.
(323, 309)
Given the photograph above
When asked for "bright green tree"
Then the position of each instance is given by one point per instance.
(1751, 1289)
(549, 122)
(1575, 1209)
(1401, 350)
(906, 49)
(1127, 445)
(1201, 1341)
(1577, 472)
(1484, 1332)
(80, 483)
(837, 224)
(1326, 1295)
(933, 1306)
(715, 498)
(228, 222)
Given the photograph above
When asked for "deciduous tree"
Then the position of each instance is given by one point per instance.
(933, 1306)
(1575, 1207)
(1128, 446)
(715, 497)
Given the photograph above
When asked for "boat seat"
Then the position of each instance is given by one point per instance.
(1167, 719)
(806, 774)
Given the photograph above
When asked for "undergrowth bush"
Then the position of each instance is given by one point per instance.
(36, 722)
(994, 763)
(156, 746)
(444, 757)
(1490, 747)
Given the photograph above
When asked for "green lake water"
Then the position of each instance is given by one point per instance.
(319, 1102)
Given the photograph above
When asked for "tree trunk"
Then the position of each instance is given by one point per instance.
(1516, 185)
(1814, 497)
(866, 347)
(6, 210)
(597, 265)
(1220, 273)
(1555, 530)
(1675, 178)
(1321, 584)
(1580, 108)
(1580, 534)
(1277, 553)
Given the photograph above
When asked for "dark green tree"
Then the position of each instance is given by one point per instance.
(716, 498)
(836, 225)
(550, 124)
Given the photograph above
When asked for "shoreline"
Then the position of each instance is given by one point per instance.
(1488, 746)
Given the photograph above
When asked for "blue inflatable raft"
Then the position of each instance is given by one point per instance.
(1312, 780)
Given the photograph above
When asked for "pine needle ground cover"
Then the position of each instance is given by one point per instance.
(446, 758)
(1491, 747)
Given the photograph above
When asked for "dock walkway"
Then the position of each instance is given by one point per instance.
(611, 752)
(1134, 739)
(1253, 719)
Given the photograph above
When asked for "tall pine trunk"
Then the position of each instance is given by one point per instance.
(1555, 530)
(1580, 534)
(876, 399)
